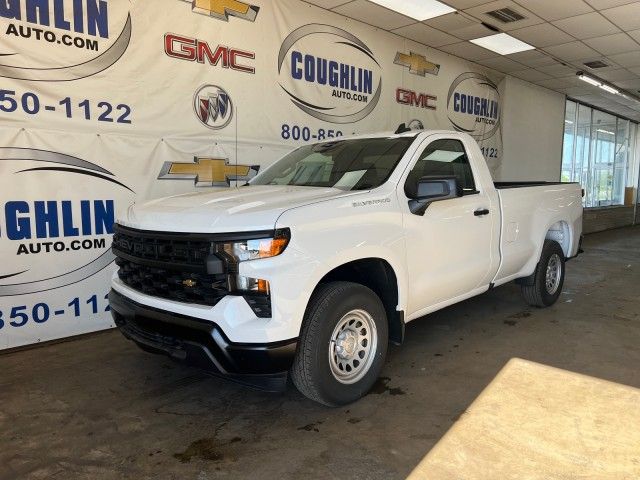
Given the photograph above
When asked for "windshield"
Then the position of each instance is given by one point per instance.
(358, 164)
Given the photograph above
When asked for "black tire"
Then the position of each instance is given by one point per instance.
(538, 294)
(312, 372)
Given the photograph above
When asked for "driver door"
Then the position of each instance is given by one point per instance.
(449, 247)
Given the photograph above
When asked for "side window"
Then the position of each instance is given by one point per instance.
(445, 157)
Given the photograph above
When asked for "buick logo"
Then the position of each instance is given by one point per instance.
(213, 106)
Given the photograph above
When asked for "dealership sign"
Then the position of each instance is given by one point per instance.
(53, 240)
(329, 73)
(473, 105)
(77, 31)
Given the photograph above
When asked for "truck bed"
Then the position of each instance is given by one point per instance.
(527, 214)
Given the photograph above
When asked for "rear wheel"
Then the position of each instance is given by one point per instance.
(343, 344)
(548, 277)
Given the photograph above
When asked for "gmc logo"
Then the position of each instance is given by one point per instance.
(413, 99)
(194, 50)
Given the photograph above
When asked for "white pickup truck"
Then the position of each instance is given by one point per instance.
(320, 261)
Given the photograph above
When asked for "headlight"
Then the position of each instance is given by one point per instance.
(252, 249)
(245, 250)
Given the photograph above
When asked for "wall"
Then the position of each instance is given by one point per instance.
(606, 218)
(532, 130)
(121, 101)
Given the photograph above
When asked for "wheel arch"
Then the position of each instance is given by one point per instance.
(560, 232)
(378, 275)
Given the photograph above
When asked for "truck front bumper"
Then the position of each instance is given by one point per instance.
(203, 344)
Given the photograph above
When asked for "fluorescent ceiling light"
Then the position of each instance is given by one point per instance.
(590, 80)
(569, 122)
(609, 89)
(503, 44)
(600, 84)
(605, 131)
(418, 9)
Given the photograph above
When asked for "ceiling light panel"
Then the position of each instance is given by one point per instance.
(417, 9)
(503, 44)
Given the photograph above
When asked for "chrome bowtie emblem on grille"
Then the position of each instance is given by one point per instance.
(189, 283)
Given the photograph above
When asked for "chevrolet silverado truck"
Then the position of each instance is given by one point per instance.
(312, 268)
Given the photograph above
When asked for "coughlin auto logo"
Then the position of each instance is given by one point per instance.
(223, 9)
(77, 32)
(473, 105)
(58, 235)
(329, 73)
(213, 106)
(416, 63)
(208, 172)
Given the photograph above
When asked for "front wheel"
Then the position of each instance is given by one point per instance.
(343, 344)
(548, 277)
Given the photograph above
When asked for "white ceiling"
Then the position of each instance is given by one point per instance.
(566, 34)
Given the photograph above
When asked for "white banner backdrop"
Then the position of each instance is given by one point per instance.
(103, 103)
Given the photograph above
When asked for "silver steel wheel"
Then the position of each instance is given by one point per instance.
(554, 274)
(353, 346)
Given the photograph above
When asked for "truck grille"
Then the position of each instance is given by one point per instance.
(186, 287)
(168, 266)
(167, 249)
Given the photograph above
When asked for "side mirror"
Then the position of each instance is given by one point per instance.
(433, 189)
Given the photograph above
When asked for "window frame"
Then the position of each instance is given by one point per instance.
(425, 145)
(588, 174)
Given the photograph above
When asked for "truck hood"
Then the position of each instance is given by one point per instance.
(232, 210)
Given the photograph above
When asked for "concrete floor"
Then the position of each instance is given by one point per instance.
(100, 408)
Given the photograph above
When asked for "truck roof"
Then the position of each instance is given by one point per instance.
(412, 133)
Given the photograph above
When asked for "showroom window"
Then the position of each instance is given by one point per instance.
(598, 153)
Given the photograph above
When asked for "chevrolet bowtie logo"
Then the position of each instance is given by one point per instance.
(208, 172)
(189, 283)
(418, 64)
(222, 9)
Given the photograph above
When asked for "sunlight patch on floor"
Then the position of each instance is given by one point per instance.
(538, 422)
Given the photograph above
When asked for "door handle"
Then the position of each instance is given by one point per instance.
(481, 212)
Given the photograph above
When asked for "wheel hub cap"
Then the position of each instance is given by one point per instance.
(346, 344)
(553, 274)
(353, 346)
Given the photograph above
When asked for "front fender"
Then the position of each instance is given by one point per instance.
(325, 236)
(294, 275)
